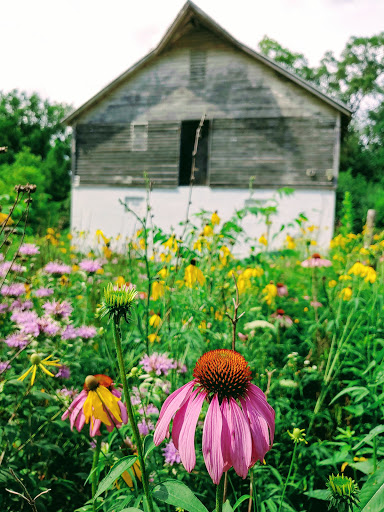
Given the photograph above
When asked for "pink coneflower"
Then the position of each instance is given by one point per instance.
(316, 304)
(43, 292)
(13, 290)
(282, 290)
(316, 261)
(57, 268)
(57, 308)
(282, 319)
(98, 403)
(28, 249)
(239, 424)
(242, 337)
(90, 265)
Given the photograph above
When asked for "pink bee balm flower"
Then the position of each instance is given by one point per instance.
(90, 265)
(316, 261)
(28, 249)
(57, 268)
(98, 403)
(239, 424)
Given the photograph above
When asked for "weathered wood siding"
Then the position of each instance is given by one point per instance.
(263, 124)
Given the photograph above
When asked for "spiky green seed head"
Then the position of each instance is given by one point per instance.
(344, 493)
(118, 302)
(35, 359)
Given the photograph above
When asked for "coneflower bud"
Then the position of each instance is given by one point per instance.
(343, 493)
(118, 302)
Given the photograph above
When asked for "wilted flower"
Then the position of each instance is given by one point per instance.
(98, 403)
(316, 261)
(233, 435)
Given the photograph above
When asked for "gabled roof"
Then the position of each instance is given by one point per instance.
(191, 13)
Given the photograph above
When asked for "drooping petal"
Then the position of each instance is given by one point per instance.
(178, 420)
(77, 411)
(78, 398)
(110, 402)
(187, 433)
(123, 412)
(170, 406)
(213, 456)
(80, 420)
(259, 432)
(258, 401)
(226, 434)
(241, 445)
(94, 428)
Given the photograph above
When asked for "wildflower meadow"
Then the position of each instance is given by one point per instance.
(160, 372)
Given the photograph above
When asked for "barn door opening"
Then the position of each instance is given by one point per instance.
(187, 142)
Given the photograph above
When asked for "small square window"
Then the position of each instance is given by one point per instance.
(139, 136)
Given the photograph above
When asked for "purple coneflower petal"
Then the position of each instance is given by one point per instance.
(95, 429)
(226, 434)
(187, 433)
(179, 418)
(241, 445)
(259, 432)
(258, 402)
(170, 407)
(213, 456)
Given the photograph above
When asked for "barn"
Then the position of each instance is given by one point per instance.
(262, 126)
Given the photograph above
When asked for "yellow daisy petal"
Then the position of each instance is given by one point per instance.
(33, 374)
(22, 377)
(45, 370)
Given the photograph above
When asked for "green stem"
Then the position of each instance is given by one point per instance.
(132, 420)
(95, 476)
(220, 495)
(288, 477)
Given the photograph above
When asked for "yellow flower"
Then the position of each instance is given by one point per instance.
(100, 271)
(37, 362)
(332, 283)
(364, 251)
(75, 268)
(346, 293)
(154, 321)
(311, 228)
(69, 236)
(215, 219)
(27, 287)
(107, 252)
(218, 315)
(263, 240)
(63, 250)
(157, 289)
(3, 218)
(163, 273)
(98, 400)
(193, 275)
(225, 255)
(313, 242)
(120, 281)
(207, 230)
(203, 326)
(64, 280)
(290, 242)
(305, 309)
(50, 231)
(171, 244)
(136, 471)
(165, 258)
(345, 277)
(153, 337)
(270, 292)
(79, 297)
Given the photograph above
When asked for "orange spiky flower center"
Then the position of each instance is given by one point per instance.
(223, 372)
(316, 256)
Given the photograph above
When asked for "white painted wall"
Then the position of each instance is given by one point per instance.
(99, 208)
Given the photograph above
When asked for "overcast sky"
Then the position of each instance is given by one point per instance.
(67, 51)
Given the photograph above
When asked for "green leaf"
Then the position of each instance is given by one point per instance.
(227, 507)
(240, 500)
(353, 391)
(149, 445)
(319, 494)
(373, 433)
(372, 493)
(178, 494)
(119, 468)
(131, 509)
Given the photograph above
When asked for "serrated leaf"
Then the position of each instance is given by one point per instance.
(178, 494)
(119, 468)
(372, 493)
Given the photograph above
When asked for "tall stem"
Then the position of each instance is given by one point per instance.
(220, 495)
(288, 476)
(95, 476)
(132, 420)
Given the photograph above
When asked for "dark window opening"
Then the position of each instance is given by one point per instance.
(197, 67)
(187, 142)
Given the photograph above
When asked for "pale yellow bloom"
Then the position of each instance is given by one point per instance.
(215, 219)
(263, 240)
(332, 283)
(193, 275)
(346, 293)
(154, 321)
(37, 362)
